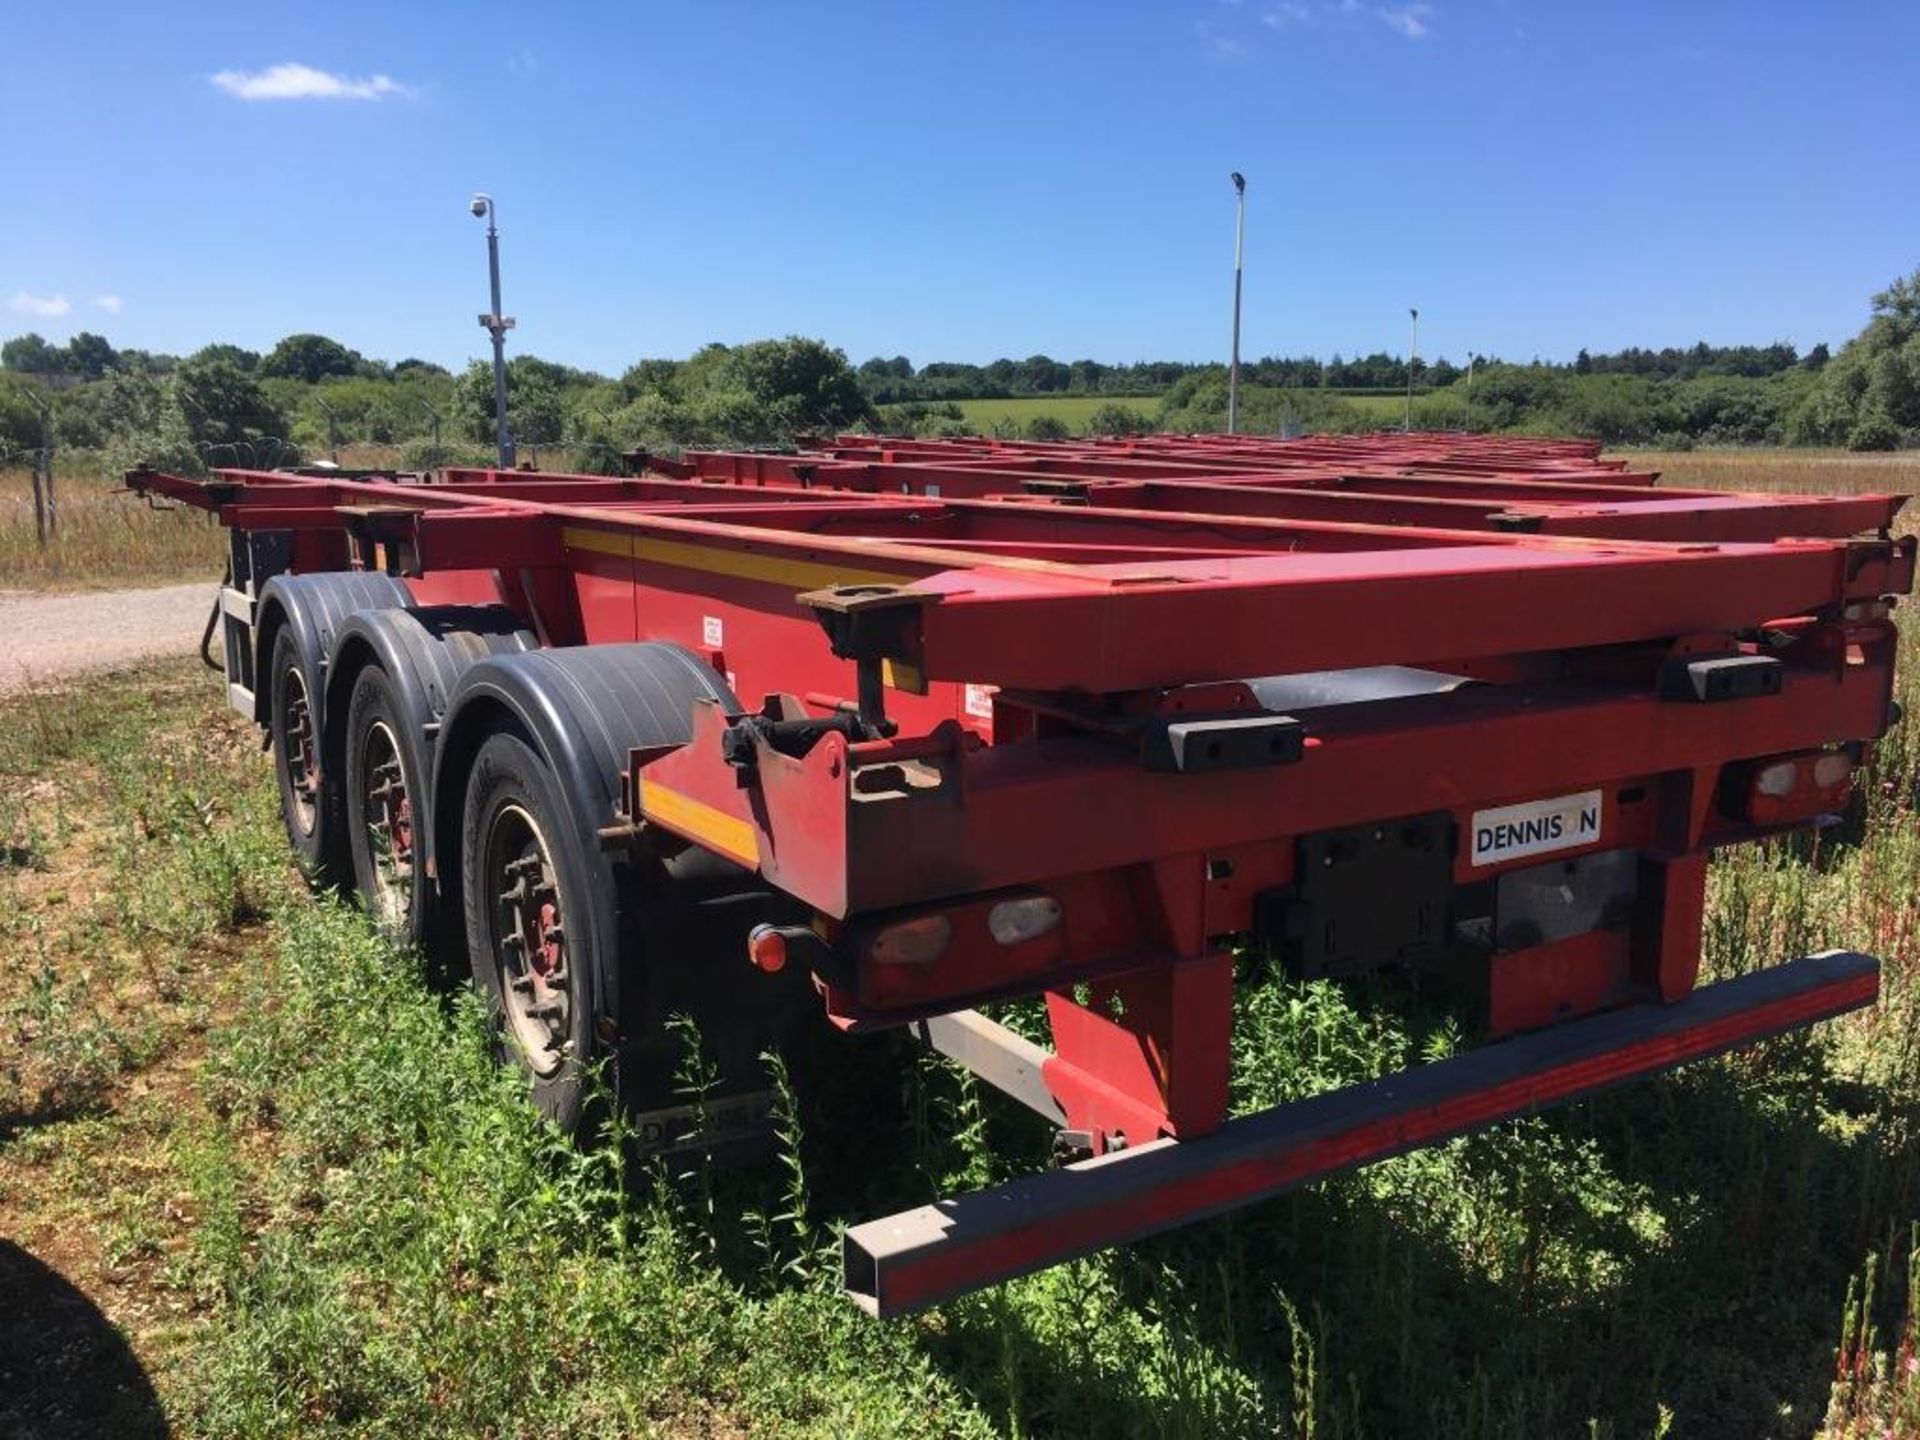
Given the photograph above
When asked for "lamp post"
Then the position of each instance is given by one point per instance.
(1413, 359)
(1239, 245)
(1471, 357)
(497, 326)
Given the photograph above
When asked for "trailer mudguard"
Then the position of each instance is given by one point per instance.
(424, 651)
(582, 708)
(315, 606)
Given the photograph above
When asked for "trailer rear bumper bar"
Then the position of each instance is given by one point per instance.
(902, 1262)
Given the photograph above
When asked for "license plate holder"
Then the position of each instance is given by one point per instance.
(1365, 896)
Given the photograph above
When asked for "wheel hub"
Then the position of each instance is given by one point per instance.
(302, 758)
(529, 940)
(387, 812)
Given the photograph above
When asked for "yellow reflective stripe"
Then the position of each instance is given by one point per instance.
(599, 541)
(696, 818)
(741, 564)
(901, 675)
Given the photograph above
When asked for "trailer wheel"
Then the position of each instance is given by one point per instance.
(384, 810)
(309, 801)
(530, 938)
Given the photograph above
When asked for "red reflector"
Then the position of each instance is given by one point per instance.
(767, 949)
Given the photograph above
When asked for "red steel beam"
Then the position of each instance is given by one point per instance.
(1134, 627)
(918, 1257)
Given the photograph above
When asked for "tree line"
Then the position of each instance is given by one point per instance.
(311, 394)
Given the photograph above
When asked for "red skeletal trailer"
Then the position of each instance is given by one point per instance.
(901, 728)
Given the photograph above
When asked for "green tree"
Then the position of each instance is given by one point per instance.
(223, 405)
(1117, 419)
(30, 354)
(537, 414)
(19, 418)
(89, 355)
(803, 383)
(652, 377)
(248, 360)
(310, 358)
(1871, 389)
(1874, 430)
(90, 417)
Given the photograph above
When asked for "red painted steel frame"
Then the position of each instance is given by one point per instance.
(1031, 606)
(905, 1262)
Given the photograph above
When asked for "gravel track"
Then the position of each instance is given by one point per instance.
(48, 639)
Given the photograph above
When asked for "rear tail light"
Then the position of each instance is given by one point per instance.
(1012, 921)
(1788, 789)
(919, 941)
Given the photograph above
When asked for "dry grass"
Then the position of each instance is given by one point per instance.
(106, 538)
(1790, 471)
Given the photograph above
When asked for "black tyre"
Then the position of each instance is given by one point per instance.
(309, 798)
(529, 895)
(385, 810)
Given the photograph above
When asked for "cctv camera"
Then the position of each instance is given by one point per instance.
(479, 205)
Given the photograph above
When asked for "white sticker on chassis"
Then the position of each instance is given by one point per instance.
(1535, 828)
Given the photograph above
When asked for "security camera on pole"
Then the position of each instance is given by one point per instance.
(496, 325)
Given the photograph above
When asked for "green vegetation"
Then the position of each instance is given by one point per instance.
(103, 410)
(310, 395)
(283, 1161)
(1869, 398)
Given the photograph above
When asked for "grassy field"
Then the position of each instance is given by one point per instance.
(1810, 471)
(258, 1177)
(105, 537)
(1075, 411)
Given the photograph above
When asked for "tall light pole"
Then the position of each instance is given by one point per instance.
(1471, 357)
(1239, 246)
(496, 325)
(1413, 359)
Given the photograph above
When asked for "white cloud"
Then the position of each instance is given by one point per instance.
(48, 307)
(1288, 12)
(112, 304)
(303, 82)
(1217, 46)
(1410, 20)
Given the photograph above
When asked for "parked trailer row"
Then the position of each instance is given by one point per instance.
(896, 730)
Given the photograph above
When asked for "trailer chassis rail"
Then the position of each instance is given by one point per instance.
(904, 1262)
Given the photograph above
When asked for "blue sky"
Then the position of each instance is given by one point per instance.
(959, 181)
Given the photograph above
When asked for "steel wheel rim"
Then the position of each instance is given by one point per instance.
(299, 753)
(387, 818)
(528, 942)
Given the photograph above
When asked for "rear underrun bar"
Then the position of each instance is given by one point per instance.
(903, 1262)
